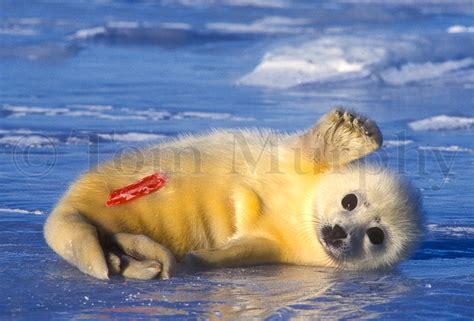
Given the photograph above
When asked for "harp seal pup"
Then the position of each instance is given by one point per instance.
(239, 198)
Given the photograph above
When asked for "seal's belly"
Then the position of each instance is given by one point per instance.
(189, 217)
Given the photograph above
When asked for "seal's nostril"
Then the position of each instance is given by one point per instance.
(333, 235)
(338, 233)
(326, 232)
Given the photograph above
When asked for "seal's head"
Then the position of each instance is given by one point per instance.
(367, 217)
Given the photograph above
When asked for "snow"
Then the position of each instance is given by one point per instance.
(325, 59)
(21, 211)
(460, 29)
(451, 148)
(131, 137)
(30, 140)
(89, 33)
(266, 25)
(443, 122)
(17, 31)
(210, 115)
(339, 58)
(176, 25)
(417, 72)
(108, 112)
(455, 231)
(396, 143)
(236, 3)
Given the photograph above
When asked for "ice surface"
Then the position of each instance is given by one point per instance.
(83, 81)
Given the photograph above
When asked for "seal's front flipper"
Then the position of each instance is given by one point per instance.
(144, 258)
(132, 268)
(340, 137)
(238, 252)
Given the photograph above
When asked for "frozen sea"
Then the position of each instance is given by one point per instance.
(82, 81)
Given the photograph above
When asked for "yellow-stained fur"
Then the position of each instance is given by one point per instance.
(232, 197)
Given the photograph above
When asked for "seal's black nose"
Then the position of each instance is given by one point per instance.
(333, 235)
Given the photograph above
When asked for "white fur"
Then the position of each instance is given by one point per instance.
(381, 195)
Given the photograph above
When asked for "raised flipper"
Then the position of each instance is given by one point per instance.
(339, 138)
(238, 252)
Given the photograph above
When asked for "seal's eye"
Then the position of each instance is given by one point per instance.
(375, 235)
(349, 202)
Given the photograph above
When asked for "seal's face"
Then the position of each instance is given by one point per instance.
(355, 231)
(367, 218)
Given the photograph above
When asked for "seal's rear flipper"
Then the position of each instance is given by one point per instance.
(74, 238)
